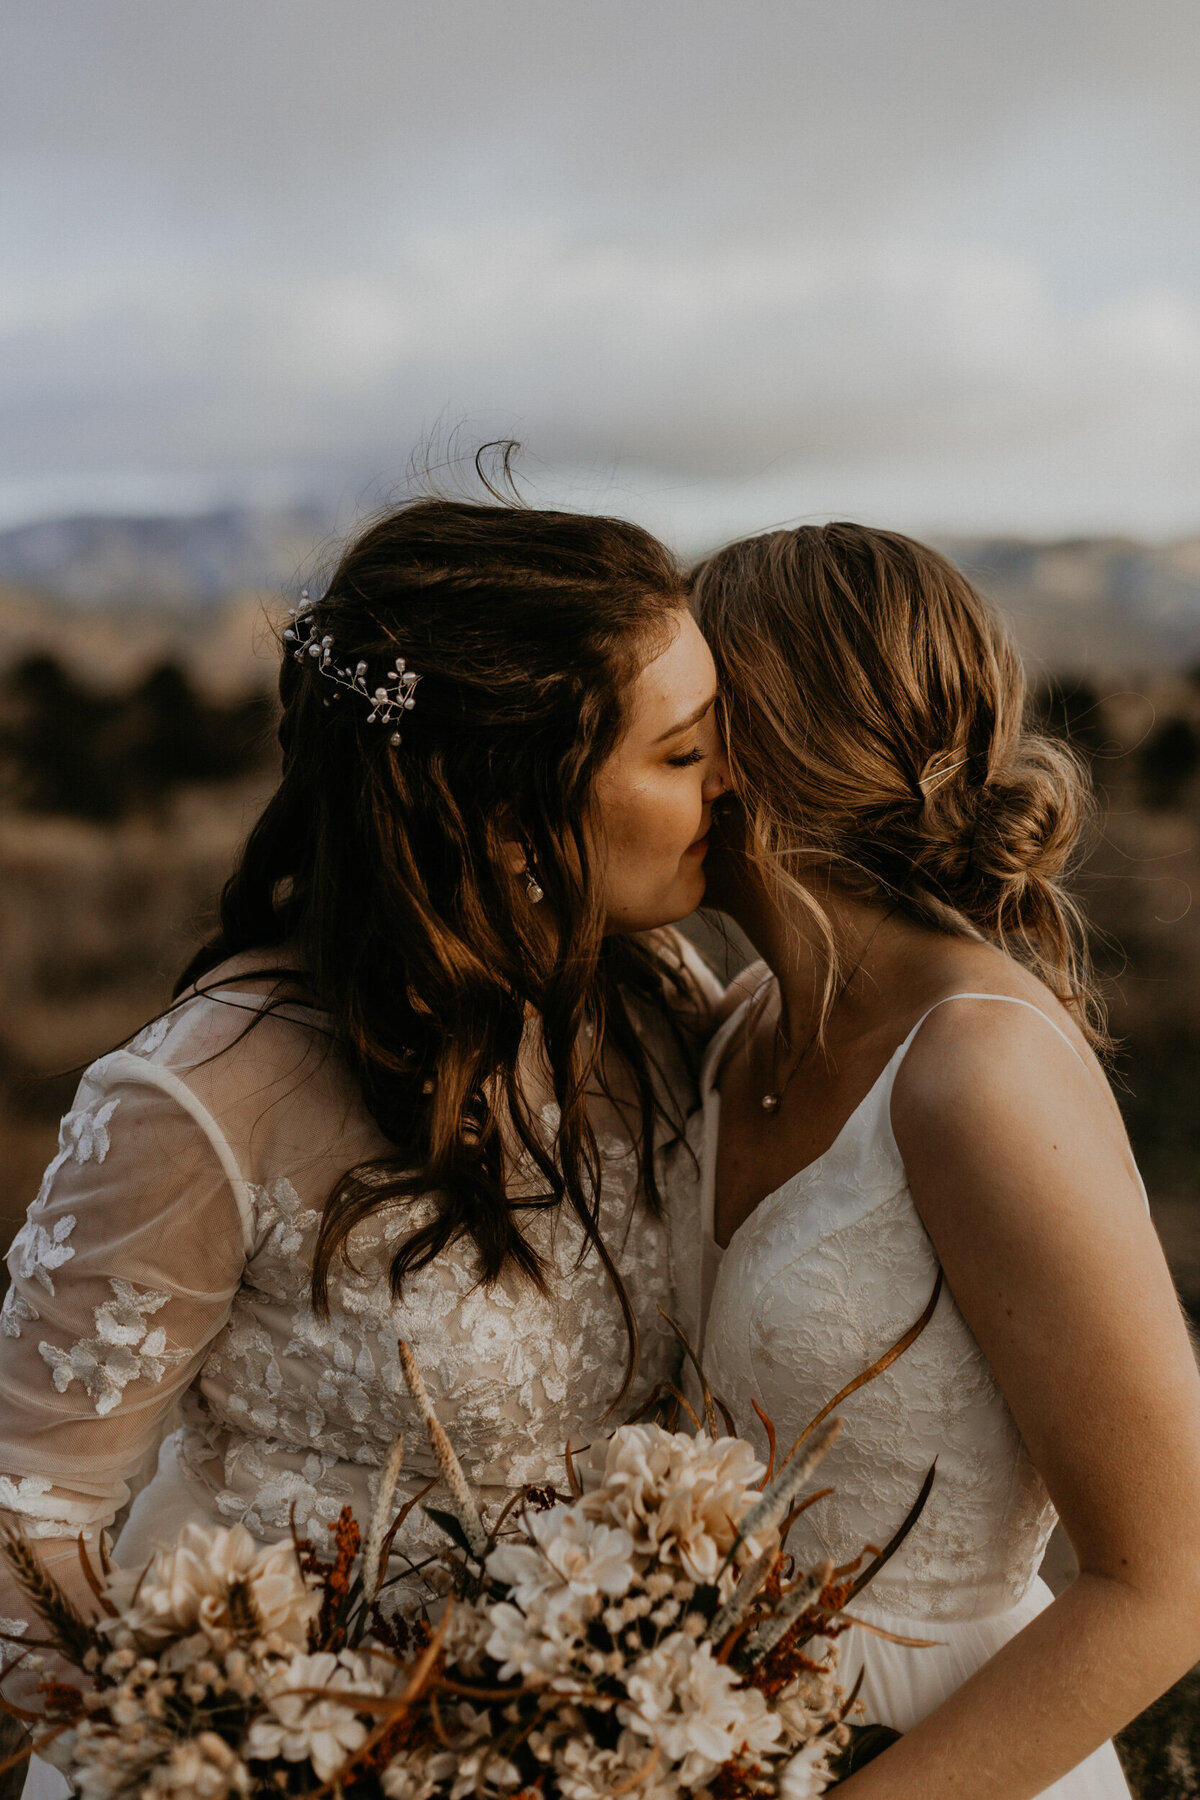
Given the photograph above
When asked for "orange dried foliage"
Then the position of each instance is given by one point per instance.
(62, 1697)
(331, 1631)
(739, 1780)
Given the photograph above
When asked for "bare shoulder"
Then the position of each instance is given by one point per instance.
(979, 1006)
(1000, 1084)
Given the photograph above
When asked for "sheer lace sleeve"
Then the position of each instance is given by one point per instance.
(125, 1268)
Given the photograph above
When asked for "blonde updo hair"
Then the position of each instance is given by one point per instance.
(877, 723)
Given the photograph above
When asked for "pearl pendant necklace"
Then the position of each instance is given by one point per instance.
(772, 1100)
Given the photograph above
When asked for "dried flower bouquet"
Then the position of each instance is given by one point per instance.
(645, 1634)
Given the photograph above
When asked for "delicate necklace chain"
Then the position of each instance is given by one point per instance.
(773, 1098)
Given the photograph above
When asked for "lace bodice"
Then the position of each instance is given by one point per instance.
(167, 1258)
(824, 1275)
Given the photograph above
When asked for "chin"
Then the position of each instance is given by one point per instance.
(680, 904)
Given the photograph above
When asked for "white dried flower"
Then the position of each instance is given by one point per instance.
(187, 1588)
(537, 1645)
(104, 1764)
(568, 1547)
(807, 1703)
(449, 1773)
(585, 1772)
(680, 1498)
(300, 1726)
(204, 1768)
(695, 1708)
(806, 1775)
(410, 1778)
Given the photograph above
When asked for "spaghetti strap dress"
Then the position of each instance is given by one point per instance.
(829, 1271)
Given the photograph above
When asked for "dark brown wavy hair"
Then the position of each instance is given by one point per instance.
(385, 870)
(880, 738)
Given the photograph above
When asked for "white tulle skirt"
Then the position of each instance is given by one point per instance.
(901, 1685)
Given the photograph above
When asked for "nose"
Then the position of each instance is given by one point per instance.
(717, 778)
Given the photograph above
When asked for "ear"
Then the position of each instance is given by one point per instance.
(513, 850)
(516, 857)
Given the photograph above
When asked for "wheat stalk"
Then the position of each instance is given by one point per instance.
(462, 1500)
(385, 1495)
(75, 1637)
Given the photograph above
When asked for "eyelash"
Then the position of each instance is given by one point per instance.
(686, 762)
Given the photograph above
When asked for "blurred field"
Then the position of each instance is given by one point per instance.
(135, 752)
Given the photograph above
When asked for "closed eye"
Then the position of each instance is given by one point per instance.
(686, 760)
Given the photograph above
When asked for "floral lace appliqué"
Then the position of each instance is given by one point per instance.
(43, 1512)
(828, 1272)
(151, 1036)
(82, 1138)
(124, 1349)
(15, 1312)
(38, 1251)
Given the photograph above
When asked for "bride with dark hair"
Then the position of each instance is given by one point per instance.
(428, 1080)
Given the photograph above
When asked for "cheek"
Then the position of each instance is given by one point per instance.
(657, 820)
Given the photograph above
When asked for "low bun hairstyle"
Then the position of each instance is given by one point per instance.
(879, 738)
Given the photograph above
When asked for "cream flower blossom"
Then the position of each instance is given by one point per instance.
(451, 1775)
(412, 1778)
(204, 1768)
(807, 1703)
(537, 1645)
(807, 1774)
(103, 1764)
(695, 1709)
(680, 1498)
(587, 1556)
(186, 1588)
(585, 1772)
(299, 1726)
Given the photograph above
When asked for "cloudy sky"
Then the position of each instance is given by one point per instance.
(717, 263)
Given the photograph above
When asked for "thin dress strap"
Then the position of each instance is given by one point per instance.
(1007, 1000)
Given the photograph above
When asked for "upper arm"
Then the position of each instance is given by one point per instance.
(1019, 1168)
(123, 1272)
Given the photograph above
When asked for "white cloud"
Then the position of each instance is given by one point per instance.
(873, 257)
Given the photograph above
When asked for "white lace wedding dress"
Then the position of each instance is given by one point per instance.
(828, 1272)
(165, 1263)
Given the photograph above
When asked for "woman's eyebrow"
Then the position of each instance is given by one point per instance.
(693, 718)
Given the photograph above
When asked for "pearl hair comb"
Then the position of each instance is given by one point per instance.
(391, 699)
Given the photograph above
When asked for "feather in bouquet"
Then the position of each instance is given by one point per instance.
(645, 1633)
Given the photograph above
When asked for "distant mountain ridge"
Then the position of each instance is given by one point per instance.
(1100, 603)
(162, 562)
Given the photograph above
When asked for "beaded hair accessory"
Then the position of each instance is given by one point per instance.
(390, 700)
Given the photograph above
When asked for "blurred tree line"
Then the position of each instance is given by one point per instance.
(1138, 886)
(1165, 762)
(69, 748)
